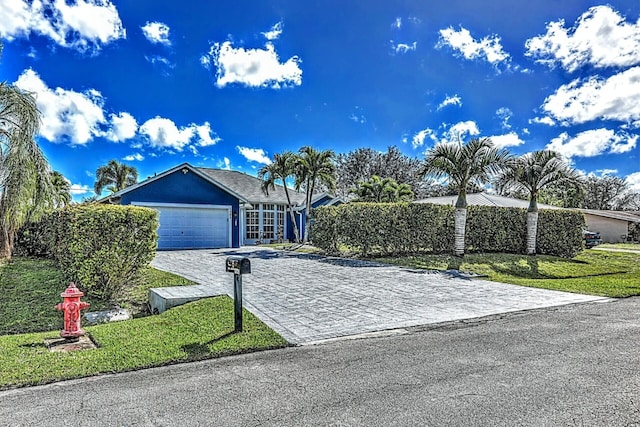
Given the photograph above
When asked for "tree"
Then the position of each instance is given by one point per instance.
(464, 165)
(363, 163)
(381, 190)
(531, 173)
(115, 176)
(61, 190)
(25, 180)
(608, 193)
(314, 168)
(282, 168)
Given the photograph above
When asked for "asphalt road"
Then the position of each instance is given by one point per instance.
(569, 365)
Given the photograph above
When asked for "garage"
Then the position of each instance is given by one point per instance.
(192, 226)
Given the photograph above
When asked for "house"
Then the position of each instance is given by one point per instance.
(214, 208)
(613, 226)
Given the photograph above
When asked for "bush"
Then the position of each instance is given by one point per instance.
(491, 229)
(560, 232)
(396, 228)
(102, 248)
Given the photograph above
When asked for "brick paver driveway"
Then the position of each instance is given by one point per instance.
(308, 298)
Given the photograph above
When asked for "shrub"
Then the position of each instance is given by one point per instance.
(560, 232)
(397, 228)
(102, 248)
(491, 229)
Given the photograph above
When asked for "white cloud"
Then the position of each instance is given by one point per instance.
(204, 135)
(592, 143)
(274, 32)
(450, 100)
(600, 38)
(504, 114)
(156, 32)
(83, 25)
(401, 48)
(123, 126)
(460, 130)
(252, 67)
(65, 113)
(488, 48)
(163, 133)
(225, 163)
(254, 155)
(420, 137)
(397, 23)
(614, 98)
(633, 180)
(134, 157)
(510, 139)
(77, 189)
(543, 120)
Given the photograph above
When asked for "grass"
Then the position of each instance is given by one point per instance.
(195, 331)
(611, 274)
(30, 289)
(629, 246)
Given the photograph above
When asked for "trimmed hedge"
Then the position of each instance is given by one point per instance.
(102, 248)
(394, 228)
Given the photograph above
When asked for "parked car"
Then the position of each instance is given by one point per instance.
(591, 238)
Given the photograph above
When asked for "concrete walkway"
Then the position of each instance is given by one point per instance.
(308, 298)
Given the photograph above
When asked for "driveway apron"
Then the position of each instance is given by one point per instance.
(308, 298)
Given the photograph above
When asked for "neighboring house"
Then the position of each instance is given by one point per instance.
(484, 199)
(613, 226)
(214, 208)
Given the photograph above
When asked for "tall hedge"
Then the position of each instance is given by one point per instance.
(395, 228)
(560, 232)
(102, 248)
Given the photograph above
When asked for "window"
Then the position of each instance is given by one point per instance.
(280, 222)
(253, 224)
(268, 231)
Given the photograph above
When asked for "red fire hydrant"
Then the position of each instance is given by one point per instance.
(71, 307)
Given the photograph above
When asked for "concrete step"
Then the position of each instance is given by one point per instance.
(162, 299)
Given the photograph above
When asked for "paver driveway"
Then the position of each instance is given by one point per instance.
(308, 298)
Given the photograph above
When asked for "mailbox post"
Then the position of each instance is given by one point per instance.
(238, 266)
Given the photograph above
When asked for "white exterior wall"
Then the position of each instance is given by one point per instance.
(610, 229)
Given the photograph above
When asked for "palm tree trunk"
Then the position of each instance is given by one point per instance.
(532, 231)
(459, 229)
(296, 233)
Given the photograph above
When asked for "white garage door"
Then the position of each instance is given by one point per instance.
(193, 227)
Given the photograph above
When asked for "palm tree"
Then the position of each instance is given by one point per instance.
(62, 190)
(25, 185)
(115, 176)
(379, 190)
(531, 173)
(314, 168)
(282, 167)
(464, 165)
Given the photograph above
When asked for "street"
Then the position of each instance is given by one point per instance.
(569, 365)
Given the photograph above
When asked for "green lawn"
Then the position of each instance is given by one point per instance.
(627, 246)
(593, 272)
(30, 289)
(199, 330)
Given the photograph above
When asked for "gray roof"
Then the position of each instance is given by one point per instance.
(251, 187)
(484, 199)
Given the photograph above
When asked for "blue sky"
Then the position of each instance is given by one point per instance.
(227, 84)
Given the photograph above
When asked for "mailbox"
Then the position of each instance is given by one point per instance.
(238, 265)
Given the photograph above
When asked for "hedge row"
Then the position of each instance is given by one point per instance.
(102, 248)
(395, 228)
